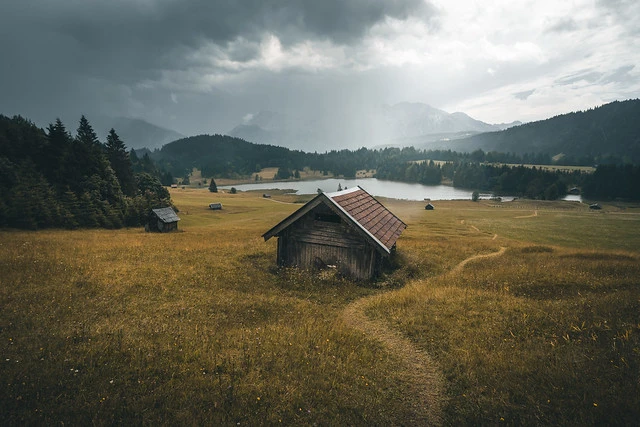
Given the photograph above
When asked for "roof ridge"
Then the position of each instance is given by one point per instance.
(355, 221)
(345, 191)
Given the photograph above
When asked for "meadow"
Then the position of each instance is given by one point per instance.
(200, 326)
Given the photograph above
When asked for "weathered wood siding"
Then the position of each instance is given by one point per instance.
(320, 238)
(166, 227)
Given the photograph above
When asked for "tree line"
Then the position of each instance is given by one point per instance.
(49, 178)
(604, 135)
(229, 157)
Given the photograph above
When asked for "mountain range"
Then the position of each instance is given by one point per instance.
(609, 133)
(136, 133)
(609, 130)
(398, 124)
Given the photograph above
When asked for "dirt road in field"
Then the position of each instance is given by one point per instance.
(425, 385)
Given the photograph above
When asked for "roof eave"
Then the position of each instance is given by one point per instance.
(275, 230)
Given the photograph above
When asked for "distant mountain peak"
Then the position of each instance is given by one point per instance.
(137, 133)
(374, 126)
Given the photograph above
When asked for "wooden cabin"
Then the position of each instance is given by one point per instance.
(429, 207)
(349, 230)
(162, 220)
(215, 206)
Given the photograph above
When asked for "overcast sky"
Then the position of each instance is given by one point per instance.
(200, 66)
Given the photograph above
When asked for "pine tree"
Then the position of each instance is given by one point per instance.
(120, 163)
(212, 186)
(85, 133)
(59, 142)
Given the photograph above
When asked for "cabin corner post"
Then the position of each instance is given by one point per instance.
(281, 253)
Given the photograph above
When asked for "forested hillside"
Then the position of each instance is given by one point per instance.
(53, 179)
(223, 155)
(607, 134)
(49, 178)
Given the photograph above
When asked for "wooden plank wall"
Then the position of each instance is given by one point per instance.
(310, 243)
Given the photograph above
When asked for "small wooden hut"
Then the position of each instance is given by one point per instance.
(162, 220)
(429, 207)
(349, 230)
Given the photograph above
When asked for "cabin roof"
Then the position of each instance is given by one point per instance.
(166, 215)
(368, 215)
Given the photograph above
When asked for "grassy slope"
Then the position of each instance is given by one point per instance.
(200, 327)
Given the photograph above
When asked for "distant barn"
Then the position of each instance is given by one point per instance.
(429, 207)
(215, 206)
(348, 229)
(162, 220)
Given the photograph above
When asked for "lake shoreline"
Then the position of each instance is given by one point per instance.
(374, 186)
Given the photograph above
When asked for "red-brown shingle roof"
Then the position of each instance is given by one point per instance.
(370, 214)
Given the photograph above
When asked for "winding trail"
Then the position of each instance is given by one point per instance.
(425, 384)
(464, 262)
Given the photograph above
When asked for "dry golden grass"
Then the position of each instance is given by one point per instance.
(199, 327)
(549, 332)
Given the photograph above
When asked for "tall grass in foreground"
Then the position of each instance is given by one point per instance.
(199, 327)
(541, 335)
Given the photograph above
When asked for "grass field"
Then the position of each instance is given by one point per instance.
(200, 327)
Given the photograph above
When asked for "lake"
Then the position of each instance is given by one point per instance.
(374, 186)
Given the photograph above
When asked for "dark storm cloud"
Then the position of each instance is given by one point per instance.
(66, 54)
(143, 35)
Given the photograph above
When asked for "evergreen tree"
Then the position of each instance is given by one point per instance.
(51, 179)
(149, 184)
(212, 186)
(166, 178)
(59, 142)
(120, 163)
(85, 133)
(146, 165)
